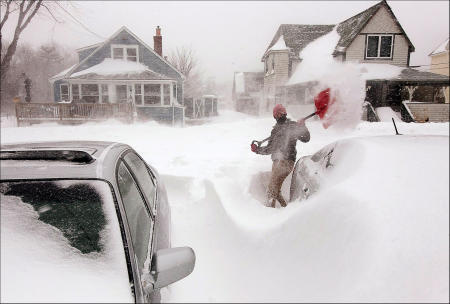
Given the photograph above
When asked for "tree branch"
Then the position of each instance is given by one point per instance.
(50, 12)
(5, 17)
(36, 8)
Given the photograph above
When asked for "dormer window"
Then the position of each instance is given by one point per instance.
(379, 46)
(124, 52)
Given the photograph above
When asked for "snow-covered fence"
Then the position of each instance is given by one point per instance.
(33, 112)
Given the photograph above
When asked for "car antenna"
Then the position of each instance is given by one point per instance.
(396, 132)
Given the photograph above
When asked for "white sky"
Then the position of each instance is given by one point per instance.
(227, 36)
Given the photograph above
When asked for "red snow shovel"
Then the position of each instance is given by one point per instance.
(322, 102)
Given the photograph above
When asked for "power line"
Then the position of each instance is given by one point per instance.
(79, 22)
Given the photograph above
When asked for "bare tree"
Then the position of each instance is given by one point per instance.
(185, 60)
(26, 10)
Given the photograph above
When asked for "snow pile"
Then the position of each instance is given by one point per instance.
(33, 250)
(8, 121)
(376, 231)
(386, 114)
(111, 66)
(345, 79)
(280, 45)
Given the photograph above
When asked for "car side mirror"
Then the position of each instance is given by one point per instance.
(171, 265)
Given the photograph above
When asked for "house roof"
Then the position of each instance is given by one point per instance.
(100, 45)
(113, 69)
(443, 47)
(297, 36)
(419, 77)
(349, 29)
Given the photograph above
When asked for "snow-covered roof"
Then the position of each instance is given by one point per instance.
(298, 36)
(443, 47)
(280, 45)
(117, 68)
(61, 74)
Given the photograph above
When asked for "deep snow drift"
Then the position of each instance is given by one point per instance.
(376, 231)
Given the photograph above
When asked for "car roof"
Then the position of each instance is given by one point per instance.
(60, 159)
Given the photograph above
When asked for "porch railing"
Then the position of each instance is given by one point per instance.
(28, 112)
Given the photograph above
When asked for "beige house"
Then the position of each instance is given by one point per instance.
(440, 63)
(372, 36)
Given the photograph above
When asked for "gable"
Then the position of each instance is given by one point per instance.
(381, 23)
(376, 19)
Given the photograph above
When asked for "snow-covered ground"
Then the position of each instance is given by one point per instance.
(377, 232)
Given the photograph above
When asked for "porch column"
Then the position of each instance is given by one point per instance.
(411, 90)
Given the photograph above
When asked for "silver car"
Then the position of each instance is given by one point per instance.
(85, 221)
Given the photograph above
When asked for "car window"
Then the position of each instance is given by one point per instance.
(138, 215)
(145, 181)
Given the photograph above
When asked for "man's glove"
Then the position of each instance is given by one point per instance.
(301, 122)
(254, 148)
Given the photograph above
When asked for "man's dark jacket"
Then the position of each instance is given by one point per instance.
(283, 140)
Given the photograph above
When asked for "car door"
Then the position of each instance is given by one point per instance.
(139, 219)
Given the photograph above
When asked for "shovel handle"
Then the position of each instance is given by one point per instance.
(310, 115)
(259, 143)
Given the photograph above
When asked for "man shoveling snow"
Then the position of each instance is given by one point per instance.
(282, 147)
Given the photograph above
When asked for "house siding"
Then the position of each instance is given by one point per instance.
(281, 71)
(146, 57)
(381, 23)
(440, 65)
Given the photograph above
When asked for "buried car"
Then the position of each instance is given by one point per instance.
(308, 172)
(84, 221)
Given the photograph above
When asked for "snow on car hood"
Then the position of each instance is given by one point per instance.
(39, 265)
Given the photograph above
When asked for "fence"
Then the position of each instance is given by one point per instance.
(33, 112)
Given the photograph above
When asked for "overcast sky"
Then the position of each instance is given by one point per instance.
(227, 36)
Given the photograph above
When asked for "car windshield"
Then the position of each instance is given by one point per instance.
(67, 230)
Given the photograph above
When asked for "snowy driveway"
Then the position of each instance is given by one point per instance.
(347, 243)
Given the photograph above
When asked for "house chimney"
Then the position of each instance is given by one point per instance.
(157, 41)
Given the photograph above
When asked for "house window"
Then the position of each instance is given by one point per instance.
(117, 53)
(64, 89)
(90, 93)
(132, 54)
(266, 65)
(174, 86)
(273, 63)
(75, 93)
(138, 94)
(125, 52)
(379, 46)
(166, 94)
(152, 94)
(105, 94)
